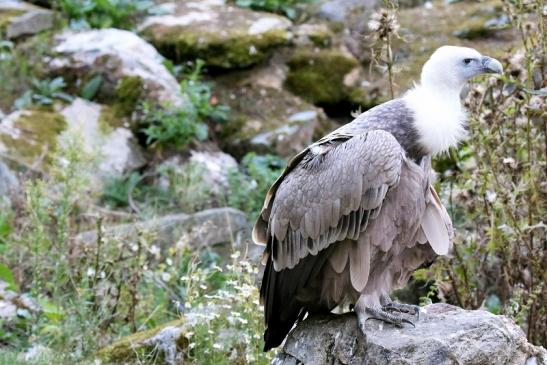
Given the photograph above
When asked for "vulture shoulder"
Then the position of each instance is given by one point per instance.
(327, 194)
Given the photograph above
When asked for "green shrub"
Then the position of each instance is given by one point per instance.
(229, 322)
(103, 13)
(178, 126)
(497, 200)
(43, 92)
(285, 7)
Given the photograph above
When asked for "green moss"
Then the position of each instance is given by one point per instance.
(237, 50)
(319, 76)
(108, 120)
(131, 347)
(6, 16)
(474, 28)
(39, 130)
(128, 94)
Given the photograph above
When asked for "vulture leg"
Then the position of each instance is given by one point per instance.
(365, 313)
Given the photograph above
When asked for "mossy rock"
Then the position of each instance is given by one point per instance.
(128, 94)
(318, 75)
(266, 120)
(13, 24)
(6, 16)
(223, 36)
(137, 345)
(31, 134)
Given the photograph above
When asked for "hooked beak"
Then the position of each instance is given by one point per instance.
(491, 65)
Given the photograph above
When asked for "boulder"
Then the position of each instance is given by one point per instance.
(116, 148)
(18, 18)
(30, 136)
(312, 34)
(15, 306)
(131, 69)
(218, 229)
(444, 334)
(8, 181)
(341, 10)
(214, 167)
(267, 120)
(329, 77)
(224, 36)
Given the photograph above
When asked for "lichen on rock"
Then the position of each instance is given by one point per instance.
(18, 18)
(121, 57)
(31, 136)
(223, 36)
(318, 75)
(266, 120)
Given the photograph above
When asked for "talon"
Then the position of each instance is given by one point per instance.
(409, 322)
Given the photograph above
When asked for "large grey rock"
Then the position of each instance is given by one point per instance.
(117, 55)
(18, 18)
(8, 181)
(341, 10)
(219, 229)
(14, 305)
(213, 167)
(29, 137)
(222, 35)
(444, 335)
(266, 119)
(116, 149)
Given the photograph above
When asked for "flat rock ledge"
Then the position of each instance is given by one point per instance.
(445, 334)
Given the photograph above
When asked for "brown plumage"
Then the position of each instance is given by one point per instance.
(351, 218)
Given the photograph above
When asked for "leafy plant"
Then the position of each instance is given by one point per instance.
(103, 13)
(44, 92)
(249, 186)
(498, 202)
(285, 7)
(229, 321)
(178, 126)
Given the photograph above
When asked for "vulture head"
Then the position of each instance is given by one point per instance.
(450, 67)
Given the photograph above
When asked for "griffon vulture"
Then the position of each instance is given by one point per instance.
(354, 214)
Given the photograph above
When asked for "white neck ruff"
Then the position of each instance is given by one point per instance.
(438, 116)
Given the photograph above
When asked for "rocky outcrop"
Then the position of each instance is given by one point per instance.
(31, 136)
(131, 69)
(328, 77)
(18, 18)
(214, 169)
(266, 119)
(14, 306)
(8, 181)
(444, 334)
(116, 149)
(219, 229)
(222, 35)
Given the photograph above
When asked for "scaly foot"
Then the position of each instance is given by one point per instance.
(403, 308)
(383, 315)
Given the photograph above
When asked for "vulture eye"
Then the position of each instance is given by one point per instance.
(467, 61)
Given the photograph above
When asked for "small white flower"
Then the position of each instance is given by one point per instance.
(169, 262)
(165, 276)
(154, 250)
(90, 271)
(491, 196)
